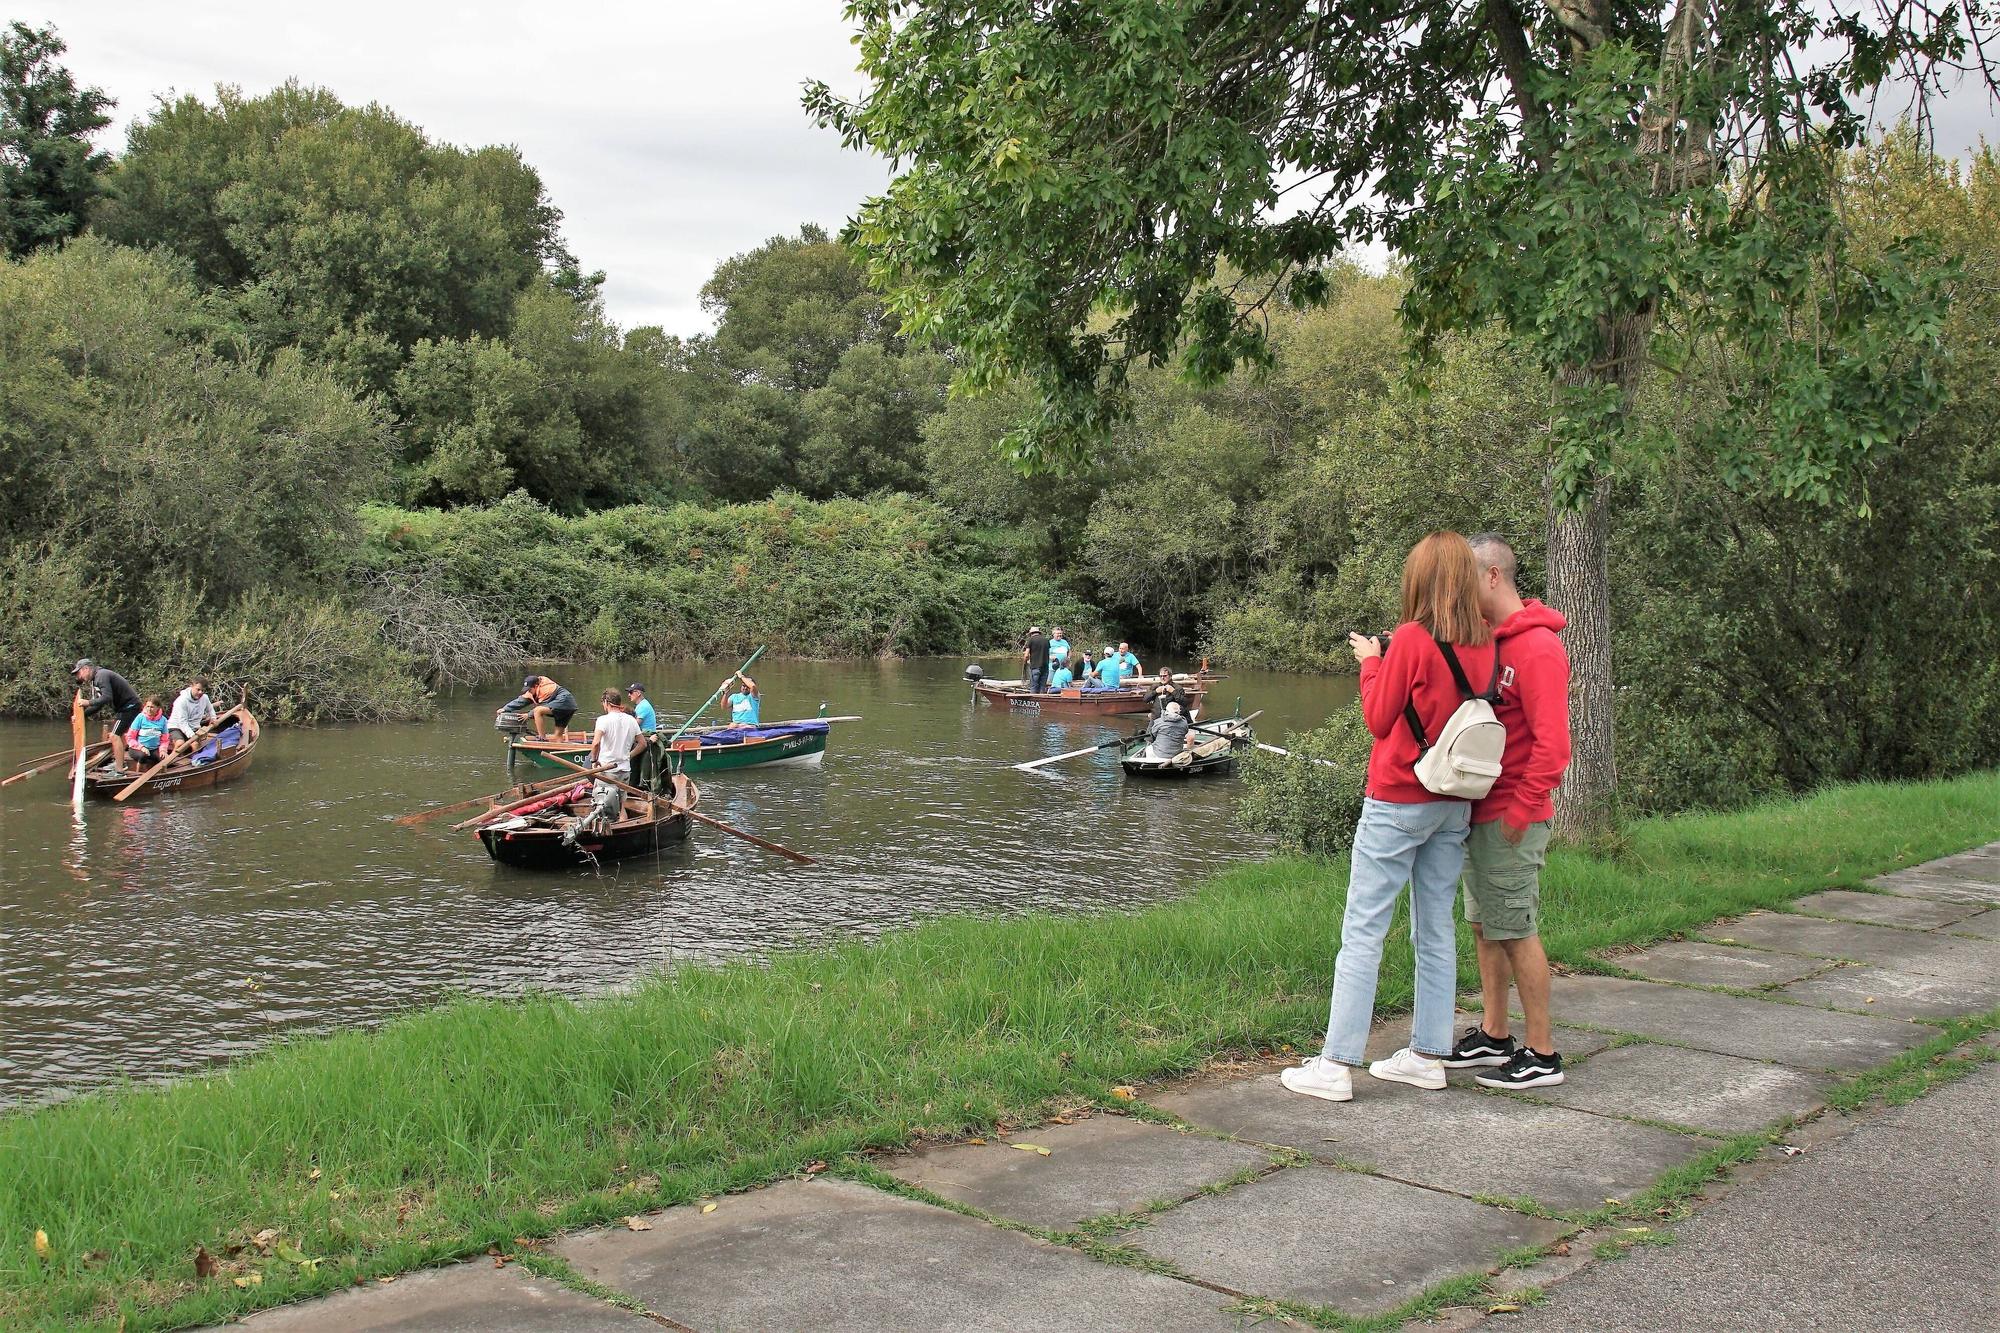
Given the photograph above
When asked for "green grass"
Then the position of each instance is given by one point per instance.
(462, 1128)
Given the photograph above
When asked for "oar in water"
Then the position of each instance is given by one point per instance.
(193, 742)
(748, 662)
(1323, 763)
(538, 791)
(696, 815)
(37, 767)
(1073, 754)
(76, 740)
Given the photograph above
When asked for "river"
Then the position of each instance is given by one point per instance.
(166, 935)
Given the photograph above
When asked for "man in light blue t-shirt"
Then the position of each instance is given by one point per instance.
(1110, 670)
(1058, 649)
(745, 706)
(1130, 660)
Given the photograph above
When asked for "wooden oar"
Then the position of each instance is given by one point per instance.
(748, 662)
(539, 790)
(694, 814)
(1227, 721)
(1073, 754)
(1323, 763)
(516, 792)
(37, 767)
(76, 740)
(179, 752)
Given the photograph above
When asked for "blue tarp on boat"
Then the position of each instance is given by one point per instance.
(229, 735)
(738, 735)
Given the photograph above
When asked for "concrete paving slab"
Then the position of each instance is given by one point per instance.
(1350, 1242)
(1884, 909)
(1107, 1164)
(834, 1255)
(1724, 1094)
(1698, 963)
(1390, 1034)
(1732, 1025)
(1980, 863)
(1926, 883)
(1925, 952)
(1877, 990)
(1986, 925)
(465, 1298)
(1461, 1139)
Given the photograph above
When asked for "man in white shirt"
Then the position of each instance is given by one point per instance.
(613, 742)
(192, 711)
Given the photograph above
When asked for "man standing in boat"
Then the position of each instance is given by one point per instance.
(614, 741)
(746, 705)
(105, 691)
(648, 762)
(1058, 656)
(1036, 656)
(192, 711)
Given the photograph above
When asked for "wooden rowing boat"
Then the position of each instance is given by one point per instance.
(557, 835)
(1074, 702)
(704, 750)
(1213, 754)
(228, 755)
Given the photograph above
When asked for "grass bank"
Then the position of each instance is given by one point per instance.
(370, 1153)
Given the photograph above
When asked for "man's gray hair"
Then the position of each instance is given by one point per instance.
(1492, 549)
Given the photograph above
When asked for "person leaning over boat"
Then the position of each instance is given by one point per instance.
(147, 736)
(1168, 732)
(192, 711)
(746, 706)
(1407, 833)
(648, 719)
(1036, 657)
(545, 702)
(614, 741)
(105, 691)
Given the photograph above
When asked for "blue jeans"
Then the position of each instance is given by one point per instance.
(1421, 845)
(1038, 679)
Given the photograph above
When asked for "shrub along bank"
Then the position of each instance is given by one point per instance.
(435, 1137)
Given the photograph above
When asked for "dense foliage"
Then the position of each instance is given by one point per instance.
(49, 172)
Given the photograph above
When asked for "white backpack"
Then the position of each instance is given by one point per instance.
(1465, 758)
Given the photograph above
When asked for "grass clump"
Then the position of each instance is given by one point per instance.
(467, 1126)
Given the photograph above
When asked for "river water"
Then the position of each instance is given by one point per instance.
(163, 936)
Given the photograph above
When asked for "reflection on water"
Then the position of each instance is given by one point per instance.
(162, 935)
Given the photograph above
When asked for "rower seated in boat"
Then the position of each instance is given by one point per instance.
(147, 737)
(192, 711)
(1167, 733)
(1110, 669)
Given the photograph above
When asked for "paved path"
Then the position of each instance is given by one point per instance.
(1256, 1202)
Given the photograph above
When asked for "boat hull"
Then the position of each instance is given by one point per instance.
(1074, 703)
(1216, 757)
(803, 749)
(649, 827)
(104, 786)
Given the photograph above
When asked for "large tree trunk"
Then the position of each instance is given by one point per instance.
(1579, 586)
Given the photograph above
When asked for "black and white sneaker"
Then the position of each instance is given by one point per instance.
(1475, 1048)
(1528, 1069)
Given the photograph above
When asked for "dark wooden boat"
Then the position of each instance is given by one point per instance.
(221, 758)
(1212, 756)
(1074, 702)
(556, 836)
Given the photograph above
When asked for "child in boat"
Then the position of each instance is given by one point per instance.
(148, 737)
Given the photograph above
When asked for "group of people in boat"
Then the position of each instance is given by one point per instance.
(1053, 666)
(141, 729)
(625, 733)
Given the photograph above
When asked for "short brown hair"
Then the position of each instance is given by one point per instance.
(152, 701)
(1441, 590)
(612, 698)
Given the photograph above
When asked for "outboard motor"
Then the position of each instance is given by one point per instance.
(975, 672)
(510, 725)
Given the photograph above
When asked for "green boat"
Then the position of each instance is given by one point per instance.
(710, 750)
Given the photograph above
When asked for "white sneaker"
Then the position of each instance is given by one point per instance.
(1320, 1077)
(1406, 1066)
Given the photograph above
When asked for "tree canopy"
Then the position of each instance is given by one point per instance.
(49, 173)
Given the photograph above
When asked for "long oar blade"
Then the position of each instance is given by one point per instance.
(710, 820)
(47, 762)
(1323, 763)
(1073, 754)
(76, 741)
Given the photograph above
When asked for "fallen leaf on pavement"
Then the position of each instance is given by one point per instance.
(1560, 1250)
(1505, 1307)
(1124, 1092)
(205, 1266)
(707, 1208)
(1030, 1147)
(979, 1143)
(637, 1224)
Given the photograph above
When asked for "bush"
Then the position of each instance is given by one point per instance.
(1308, 806)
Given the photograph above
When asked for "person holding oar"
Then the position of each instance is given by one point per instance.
(192, 711)
(105, 692)
(613, 743)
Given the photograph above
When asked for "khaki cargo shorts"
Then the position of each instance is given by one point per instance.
(1503, 881)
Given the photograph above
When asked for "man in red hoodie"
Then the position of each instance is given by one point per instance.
(1510, 830)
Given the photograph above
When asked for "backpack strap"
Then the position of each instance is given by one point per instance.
(1465, 691)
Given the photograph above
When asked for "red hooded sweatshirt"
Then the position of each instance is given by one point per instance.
(1413, 668)
(1534, 707)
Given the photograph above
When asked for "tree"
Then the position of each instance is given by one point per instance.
(1620, 187)
(864, 423)
(49, 174)
(787, 311)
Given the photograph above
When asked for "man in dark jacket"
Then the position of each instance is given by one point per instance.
(1036, 656)
(104, 692)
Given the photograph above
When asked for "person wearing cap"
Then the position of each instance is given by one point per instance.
(644, 764)
(105, 691)
(1110, 669)
(1036, 658)
(546, 703)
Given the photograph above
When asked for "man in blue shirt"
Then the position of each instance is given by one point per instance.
(647, 761)
(745, 705)
(1110, 670)
(1058, 651)
(1131, 660)
(1061, 679)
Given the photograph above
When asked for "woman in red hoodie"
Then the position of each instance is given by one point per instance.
(1407, 834)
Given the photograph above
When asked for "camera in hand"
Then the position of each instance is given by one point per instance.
(1381, 637)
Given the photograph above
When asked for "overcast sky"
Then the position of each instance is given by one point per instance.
(669, 132)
